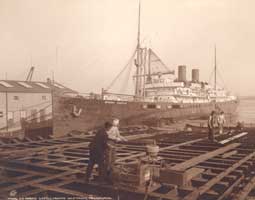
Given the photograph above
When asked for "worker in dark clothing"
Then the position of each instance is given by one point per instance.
(97, 152)
(211, 126)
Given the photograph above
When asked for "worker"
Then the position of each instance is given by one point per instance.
(97, 152)
(221, 121)
(211, 126)
(114, 133)
(113, 137)
(240, 126)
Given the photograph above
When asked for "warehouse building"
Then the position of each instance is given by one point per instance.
(27, 101)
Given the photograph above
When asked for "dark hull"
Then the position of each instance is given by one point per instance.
(96, 112)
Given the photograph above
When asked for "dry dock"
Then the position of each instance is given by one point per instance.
(188, 167)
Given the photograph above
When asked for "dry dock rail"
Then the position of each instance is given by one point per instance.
(55, 167)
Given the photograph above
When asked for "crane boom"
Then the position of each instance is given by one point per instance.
(30, 74)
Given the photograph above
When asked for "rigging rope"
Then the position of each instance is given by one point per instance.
(220, 76)
(223, 82)
(159, 60)
(210, 79)
(127, 78)
(117, 77)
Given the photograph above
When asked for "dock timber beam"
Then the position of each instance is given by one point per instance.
(203, 157)
(201, 190)
(56, 167)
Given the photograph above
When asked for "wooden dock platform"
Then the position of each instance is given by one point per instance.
(55, 167)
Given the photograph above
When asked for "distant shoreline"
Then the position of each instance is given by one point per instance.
(247, 97)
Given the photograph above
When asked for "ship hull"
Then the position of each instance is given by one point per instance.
(93, 113)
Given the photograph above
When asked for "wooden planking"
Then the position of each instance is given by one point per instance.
(233, 138)
(194, 161)
(199, 191)
(161, 149)
(246, 190)
(62, 150)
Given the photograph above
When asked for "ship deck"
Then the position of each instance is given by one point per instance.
(55, 167)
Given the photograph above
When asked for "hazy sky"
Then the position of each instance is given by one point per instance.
(95, 39)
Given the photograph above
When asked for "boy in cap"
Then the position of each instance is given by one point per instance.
(114, 133)
(113, 137)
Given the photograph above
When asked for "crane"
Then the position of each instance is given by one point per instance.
(30, 74)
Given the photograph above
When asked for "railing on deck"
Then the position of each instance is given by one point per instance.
(105, 96)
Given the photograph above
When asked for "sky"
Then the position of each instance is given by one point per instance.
(86, 43)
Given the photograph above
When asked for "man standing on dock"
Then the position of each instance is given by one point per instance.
(221, 121)
(97, 152)
(211, 125)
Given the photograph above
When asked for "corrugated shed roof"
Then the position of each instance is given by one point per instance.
(33, 87)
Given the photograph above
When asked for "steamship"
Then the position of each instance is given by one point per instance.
(160, 97)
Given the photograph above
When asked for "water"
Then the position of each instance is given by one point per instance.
(246, 110)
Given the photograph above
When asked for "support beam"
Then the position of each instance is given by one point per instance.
(161, 149)
(246, 190)
(201, 190)
(233, 138)
(194, 161)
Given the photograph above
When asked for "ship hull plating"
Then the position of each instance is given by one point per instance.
(93, 113)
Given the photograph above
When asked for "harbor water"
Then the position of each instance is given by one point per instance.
(246, 110)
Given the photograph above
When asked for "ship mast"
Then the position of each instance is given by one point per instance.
(137, 62)
(215, 69)
(138, 33)
(215, 77)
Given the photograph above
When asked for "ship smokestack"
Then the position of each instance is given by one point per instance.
(49, 81)
(182, 73)
(195, 75)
